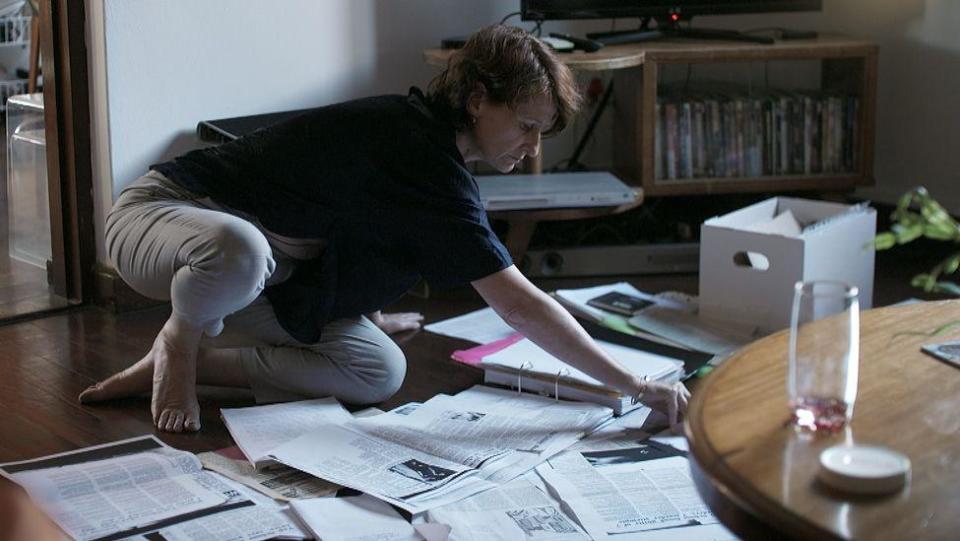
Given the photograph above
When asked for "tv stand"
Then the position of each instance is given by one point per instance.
(670, 28)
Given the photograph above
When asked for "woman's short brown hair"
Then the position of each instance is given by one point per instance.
(513, 66)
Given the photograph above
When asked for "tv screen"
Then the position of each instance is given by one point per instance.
(542, 10)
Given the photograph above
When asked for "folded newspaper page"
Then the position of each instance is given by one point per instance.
(259, 429)
(627, 490)
(274, 480)
(448, 448)
(520, 509)
(131, 487)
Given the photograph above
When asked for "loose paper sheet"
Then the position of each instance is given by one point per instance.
(358, 518)
(482, 326)
(258, 429)
(627, 490)
(516, 510)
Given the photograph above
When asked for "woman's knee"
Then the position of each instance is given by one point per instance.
(378, 369)
(236, 252)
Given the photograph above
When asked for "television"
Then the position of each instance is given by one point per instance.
(542, 10)
(667, 13)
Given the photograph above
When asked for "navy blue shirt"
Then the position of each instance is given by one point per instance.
(380, 179)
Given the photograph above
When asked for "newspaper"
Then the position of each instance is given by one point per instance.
(448, 448)
(519, 509)
(247, 516)
(356, 518)
(627, 490)
(259, 429)
(274, 480)
(481, 326)
(115, 487)
(131, 487)
(621, 432)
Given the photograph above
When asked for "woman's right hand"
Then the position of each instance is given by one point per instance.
(670, 398)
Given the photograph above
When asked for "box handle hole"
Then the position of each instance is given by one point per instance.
(751, 260)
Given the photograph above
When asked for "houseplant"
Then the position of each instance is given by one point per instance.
(920, 215)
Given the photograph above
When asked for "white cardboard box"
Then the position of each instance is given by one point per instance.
(835, 244)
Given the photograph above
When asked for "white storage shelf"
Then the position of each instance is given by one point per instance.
(14, 33)
(15, 30)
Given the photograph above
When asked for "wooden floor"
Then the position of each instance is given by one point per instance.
(45, 363)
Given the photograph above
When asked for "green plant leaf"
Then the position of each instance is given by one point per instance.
(884, 241)
(939, 330)
(951, 265)
(939, 232)
(933, 212)
(924, 281)
(947, 287)
(908, 233)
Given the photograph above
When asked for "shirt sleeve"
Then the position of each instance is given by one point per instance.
(456, 248)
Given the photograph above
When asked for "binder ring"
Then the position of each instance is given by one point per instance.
(556, 382)
(525, 365)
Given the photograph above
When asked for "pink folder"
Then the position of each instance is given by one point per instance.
(474, 355)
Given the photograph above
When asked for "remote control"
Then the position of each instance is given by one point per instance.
(583, 44)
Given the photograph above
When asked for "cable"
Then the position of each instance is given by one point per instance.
(515, 13)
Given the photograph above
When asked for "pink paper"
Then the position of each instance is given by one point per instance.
(474, 355)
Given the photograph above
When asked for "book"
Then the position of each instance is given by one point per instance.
(620, 303)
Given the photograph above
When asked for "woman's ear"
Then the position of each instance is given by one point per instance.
(476, 99)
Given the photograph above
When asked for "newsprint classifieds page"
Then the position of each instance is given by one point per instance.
(140, 485)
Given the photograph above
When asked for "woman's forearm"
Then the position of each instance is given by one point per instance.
(541, 319)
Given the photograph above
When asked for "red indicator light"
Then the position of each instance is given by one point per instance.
(674, 17)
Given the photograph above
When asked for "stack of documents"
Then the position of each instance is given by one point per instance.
(526, 366)
(440, 451)
(671, 318)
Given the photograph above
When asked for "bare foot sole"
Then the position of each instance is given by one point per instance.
(132, 381)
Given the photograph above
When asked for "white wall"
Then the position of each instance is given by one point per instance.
(159, 67)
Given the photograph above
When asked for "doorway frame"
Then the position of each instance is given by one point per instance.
(66, 97)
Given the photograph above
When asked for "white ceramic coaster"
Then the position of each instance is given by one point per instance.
(863, 469)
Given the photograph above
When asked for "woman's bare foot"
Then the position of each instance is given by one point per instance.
(169, 370)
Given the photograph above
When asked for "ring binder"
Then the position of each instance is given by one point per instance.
(556, 382)
(525, 365)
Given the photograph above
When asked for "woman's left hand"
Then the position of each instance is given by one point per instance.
(671, 398)
(399, 322)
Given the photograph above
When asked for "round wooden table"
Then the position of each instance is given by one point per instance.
(758, 474)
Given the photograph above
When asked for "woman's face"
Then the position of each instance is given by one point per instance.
(503, 136)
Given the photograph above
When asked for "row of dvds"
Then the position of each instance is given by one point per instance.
(749, 136)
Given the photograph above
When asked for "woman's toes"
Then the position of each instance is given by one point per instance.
(90, 394)
(175, 422)
(162, 419)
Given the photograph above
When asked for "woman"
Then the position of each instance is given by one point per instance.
(272, 247)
